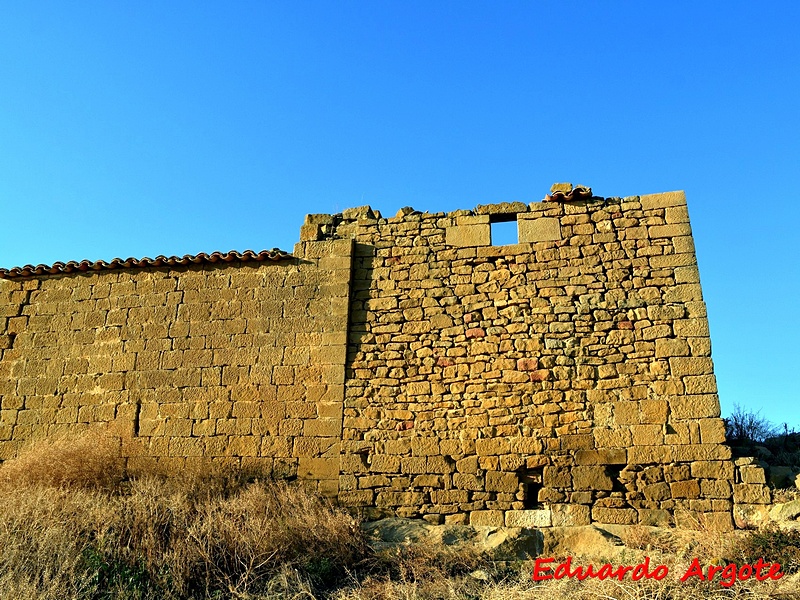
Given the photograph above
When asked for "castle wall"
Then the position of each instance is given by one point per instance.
(240, 364)
(569, 373)
(406, 366)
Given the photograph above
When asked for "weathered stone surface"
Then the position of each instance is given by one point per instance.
(657, 491)
(748, 493)
(484, 518)
(529, 518)
(501, 482)
(405, 364)
(667, 347)
(785, 511)
(750, 515)
(465, 236)
(561, 187)
(608, 456)
(655, 517)
(591, 478)
(712, 469)
(663, 200)
(512, 544)
(501, 208)
(539, 229)
(587, 540)
(360, 212)
(570, 515)
(693, 452)
(685, 489)
(618, 516)
(700, 406)
(752, 474)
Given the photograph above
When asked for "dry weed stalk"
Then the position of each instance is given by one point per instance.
(69, 530)
(92, 460)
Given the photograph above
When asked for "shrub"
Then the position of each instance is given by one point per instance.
(89, 461)
(773, 545)
(747, 427)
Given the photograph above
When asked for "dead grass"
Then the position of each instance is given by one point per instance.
(785, 494)
(639, 537)
(69, 532)
(522, 588)
(89, 461)
(71, 528)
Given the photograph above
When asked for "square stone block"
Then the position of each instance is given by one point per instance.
(542, 229)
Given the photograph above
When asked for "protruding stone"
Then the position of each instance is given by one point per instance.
(406, 210)
(561, 187)
(663, 200)
(319, 219)
(785, 511)
(360, 212)
(502, 208)
(747, 516)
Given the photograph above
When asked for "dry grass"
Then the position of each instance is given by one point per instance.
(89, 461)
(785, 494)
(520, 587)
(68, 533)
(72, 529)
(426, 572)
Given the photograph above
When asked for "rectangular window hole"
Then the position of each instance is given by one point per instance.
(531, 480)
(504, 231)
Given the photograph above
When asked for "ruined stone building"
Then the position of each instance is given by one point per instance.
(403, 365)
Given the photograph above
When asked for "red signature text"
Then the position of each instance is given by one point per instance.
(727, 575)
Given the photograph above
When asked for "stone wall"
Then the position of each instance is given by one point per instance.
(562, 380)
(239, 364)
(408, 366)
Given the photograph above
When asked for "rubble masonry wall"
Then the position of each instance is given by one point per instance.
(407, 366)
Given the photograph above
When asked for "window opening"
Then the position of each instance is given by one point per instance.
(504, 229)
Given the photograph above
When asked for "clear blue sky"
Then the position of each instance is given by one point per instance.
(144, 128)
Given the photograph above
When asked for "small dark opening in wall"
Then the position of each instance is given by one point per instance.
(531, 480)
(614, 472)
(504, 229)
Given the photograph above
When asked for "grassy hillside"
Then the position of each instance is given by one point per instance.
(73, 527)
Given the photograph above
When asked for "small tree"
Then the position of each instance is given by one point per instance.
(748, 427)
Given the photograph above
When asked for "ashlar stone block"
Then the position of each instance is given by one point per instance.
(469, 231)
(663, 200)
(529, 518)
(541, 229)
(570, 515)
(486, 518)
(591, 478)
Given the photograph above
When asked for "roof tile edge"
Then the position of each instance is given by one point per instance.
(274, 255)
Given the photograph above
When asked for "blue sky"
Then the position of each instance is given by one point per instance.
(146, 128)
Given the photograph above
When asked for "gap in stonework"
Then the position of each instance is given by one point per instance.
(504, 233)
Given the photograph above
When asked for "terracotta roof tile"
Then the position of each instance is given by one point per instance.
(578, 193)
(273, 255)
